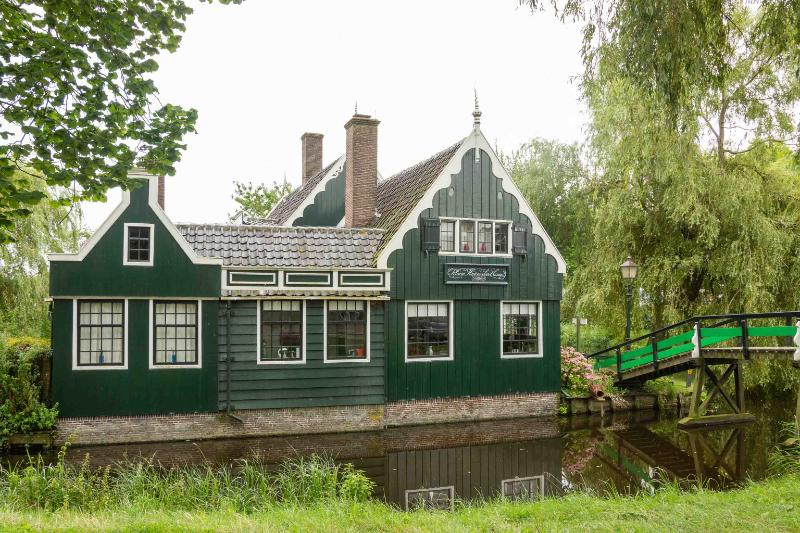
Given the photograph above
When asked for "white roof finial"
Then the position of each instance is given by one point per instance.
(476, 114)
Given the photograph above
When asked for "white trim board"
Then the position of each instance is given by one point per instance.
(325, 334)
(478, 141)
(152, 202)
(198, 346)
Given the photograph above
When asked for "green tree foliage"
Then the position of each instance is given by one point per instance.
(77, 100)
(705, 196)
(257, 200)
(553, 178)
(675, 49)
(23, 264)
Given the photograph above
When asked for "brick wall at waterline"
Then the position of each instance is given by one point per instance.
(298, 421)
(255, 423)
(465, 409)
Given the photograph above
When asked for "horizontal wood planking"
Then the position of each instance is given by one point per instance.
(313, 383)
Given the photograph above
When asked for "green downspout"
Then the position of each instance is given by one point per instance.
(228, 361)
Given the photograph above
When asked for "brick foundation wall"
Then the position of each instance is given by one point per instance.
(199, 426)
(312, 420)
(469, 409)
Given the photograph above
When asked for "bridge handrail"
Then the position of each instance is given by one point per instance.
(724, 319)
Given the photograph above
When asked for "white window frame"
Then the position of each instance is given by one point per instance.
(325, 334)
(539, 479)
(450, 337)
(304, 333)
(539, 331)
(442, 220)
(124, 365)
(450, 488)
(476, 221)
(125, 260)
(199, 346)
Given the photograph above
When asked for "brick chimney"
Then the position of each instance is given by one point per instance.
(312, 155)
(361, 177)
(161, 192)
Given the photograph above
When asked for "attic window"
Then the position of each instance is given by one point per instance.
(138, 246)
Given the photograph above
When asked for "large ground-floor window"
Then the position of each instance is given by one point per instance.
(429, 333)
(346, 324)
(101, 333)
(520, 325)
(175, 333)
(281, 331)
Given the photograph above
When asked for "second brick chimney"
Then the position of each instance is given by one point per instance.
(312, 155)
(361, 176)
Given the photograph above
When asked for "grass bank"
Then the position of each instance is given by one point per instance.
(772, 505)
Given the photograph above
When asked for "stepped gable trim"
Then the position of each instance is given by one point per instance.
(152, 201)
(394, 237)
(290, 208)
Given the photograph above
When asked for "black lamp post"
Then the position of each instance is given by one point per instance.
(629, 269)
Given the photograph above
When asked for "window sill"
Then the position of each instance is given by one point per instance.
(176, 366)
(280, 362)
(100, 367)
(427, 359)
(476, 254)
(521, 356)
(363, 360)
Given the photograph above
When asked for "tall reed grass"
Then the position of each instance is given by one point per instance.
(245, 486)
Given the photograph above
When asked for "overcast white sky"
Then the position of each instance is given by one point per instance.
(262, 73)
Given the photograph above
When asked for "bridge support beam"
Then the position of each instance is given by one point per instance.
(735, 403)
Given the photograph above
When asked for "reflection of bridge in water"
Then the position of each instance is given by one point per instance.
(715, 457)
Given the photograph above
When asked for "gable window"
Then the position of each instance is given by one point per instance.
(440, 498)
(346, 325)
(138, 247)
(447, 236)
(501, 237)
(484, 237)
(175, 333)
(101, 333)
(428, 331)
(466, 236)
(525, 488)
(520, 323)
(281, 331)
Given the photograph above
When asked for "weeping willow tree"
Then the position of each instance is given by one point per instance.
(49, 227)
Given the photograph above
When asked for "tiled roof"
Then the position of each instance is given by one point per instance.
(397, 195)
(295, 247)
(281, 212)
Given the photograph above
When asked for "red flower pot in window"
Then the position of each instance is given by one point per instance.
(360, 352)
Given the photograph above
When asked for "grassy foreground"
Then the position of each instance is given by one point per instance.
(772, 505)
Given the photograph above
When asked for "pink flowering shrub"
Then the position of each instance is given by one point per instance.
(577, 373)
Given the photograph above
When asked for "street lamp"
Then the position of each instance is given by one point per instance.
(629, 269)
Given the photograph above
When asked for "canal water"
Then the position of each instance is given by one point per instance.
(521, 458)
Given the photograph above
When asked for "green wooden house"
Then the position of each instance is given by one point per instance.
(360, 302)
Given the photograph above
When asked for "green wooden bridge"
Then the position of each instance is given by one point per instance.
(701, 343)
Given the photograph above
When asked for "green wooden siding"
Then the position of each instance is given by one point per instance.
(137, 390)
(473, 471)
(477, 368)
(102, 273)
(328, 206)
(313, 383)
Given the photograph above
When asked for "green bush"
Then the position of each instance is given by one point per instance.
(356, 486)
(22, 407)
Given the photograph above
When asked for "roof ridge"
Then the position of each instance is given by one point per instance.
(274, 226)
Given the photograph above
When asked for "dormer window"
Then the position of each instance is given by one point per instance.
(138, 247)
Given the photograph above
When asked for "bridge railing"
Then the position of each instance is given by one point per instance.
(668, 342)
